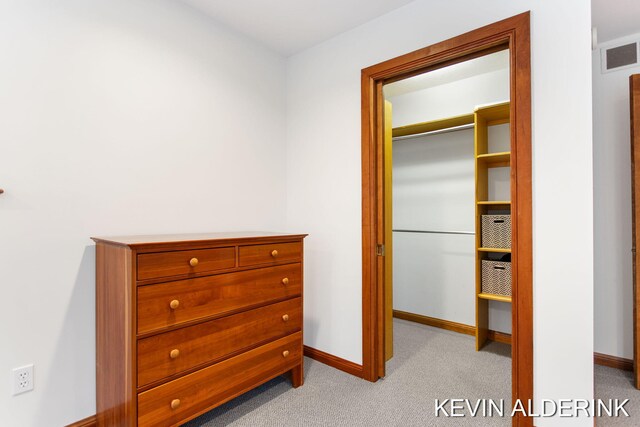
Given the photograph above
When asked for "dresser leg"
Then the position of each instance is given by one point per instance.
(297, 377)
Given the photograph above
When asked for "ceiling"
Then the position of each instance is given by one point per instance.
(289, 26)
(615, 18)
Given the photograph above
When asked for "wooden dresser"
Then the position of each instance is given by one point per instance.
(185, 323)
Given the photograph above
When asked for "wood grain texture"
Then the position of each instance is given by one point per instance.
(388, 231)
(521, 210)
(85, 422)
(207, 388)
(514, 33)
(334, 361)
(214, 296)
(189, 325)
(634, 97)
(273, 253)
(297, 373)
(369, 232)
(176, 263)
(193, 240)
(380, 363)
(115, 313)
(211, 341)
(613, 361)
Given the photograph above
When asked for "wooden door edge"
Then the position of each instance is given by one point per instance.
(634, 113)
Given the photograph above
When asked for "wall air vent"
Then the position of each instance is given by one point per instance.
(619, 57)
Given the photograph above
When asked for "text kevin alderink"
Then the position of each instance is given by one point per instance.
(544, 408)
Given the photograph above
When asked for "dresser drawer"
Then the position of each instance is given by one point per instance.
(180, 263)
(167, 304)
(269, 254)
(173, 352)
(172, 403)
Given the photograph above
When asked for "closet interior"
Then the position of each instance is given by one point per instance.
(450, 198)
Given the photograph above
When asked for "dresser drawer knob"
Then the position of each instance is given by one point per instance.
(175, 403)
(285, 281)
(285, 318)
(285, 353)
(174, 353)
(274, 253)
(193, 262)
(174, 304)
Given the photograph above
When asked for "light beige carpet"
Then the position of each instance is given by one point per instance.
(429, 364)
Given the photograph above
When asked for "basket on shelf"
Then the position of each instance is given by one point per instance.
(496, 277)
(496, 231)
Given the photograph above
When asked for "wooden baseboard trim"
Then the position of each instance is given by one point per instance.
(460, 328)
(91, 421)
(613, 361)
(598, 358)
(499, 337)
(334, 361)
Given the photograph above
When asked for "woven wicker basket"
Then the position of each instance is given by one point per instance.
(496, 277)
(496, 231)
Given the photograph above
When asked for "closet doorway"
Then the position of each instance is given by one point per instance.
(511, 35)
(436, 195)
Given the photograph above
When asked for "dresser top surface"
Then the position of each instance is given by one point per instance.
(193, 237)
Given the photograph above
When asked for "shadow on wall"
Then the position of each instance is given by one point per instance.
(74, 358)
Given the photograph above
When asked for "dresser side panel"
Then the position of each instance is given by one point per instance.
(115, 368)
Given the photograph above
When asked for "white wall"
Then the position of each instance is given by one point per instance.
(433, 189)
(612, 207)
(324, 191)
(117, 117)
(451, 99)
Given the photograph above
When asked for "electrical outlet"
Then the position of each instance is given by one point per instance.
(22, 379)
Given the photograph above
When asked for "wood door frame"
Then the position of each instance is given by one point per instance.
(513, 33)
(634, 101)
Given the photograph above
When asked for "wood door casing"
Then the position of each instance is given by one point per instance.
(513, 33)
(634, 96)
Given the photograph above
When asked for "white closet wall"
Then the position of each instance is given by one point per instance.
(433, 190)
(450, 99)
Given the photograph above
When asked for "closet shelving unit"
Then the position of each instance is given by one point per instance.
(484, 118)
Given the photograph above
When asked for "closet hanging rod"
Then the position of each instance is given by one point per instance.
(435, 132)
(434, 232)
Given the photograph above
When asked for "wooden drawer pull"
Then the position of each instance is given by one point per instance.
(274, 253)
(174, 353)
(174, 304)
(193, 262)
(285, 353)
(285, 318)
(175, 403)
(285, 281)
